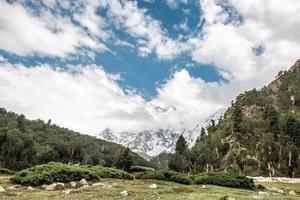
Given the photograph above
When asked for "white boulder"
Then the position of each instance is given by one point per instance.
(83, 182)
(2, 189)
(153, 186)
(124, 193)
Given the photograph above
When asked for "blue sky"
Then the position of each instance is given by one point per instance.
(142, 73)
(134, 65)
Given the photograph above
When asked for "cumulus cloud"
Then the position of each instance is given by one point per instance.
(24, 34)
(89, 100)
(174, 3)
(229, 45)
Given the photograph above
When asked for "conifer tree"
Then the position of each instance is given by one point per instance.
(124, 159)
(181, 145)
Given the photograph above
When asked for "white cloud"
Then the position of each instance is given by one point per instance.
(24, 34)
(142, 27)
(229, 45)
(174, 3)
(182, 26)
(88, 100)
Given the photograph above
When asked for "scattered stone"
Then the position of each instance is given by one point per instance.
(66, 192)
(2, 189)
(260, 193)
(153, 186)
(203, 186)
(229, 198)
(51, 187)
(83, 182)
(124, 193)
(30, 188)
(107, 186)
(292, 193)
(73, 184)
(60, 186)
(44, 186)
(275, 189)
(98, 184)
(11, 188)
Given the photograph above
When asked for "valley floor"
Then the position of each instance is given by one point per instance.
(109, 189)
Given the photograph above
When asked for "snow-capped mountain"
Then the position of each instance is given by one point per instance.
(149, 143)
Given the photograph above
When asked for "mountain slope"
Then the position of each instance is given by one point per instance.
(259, 134)
(149, 143)
(24, 143)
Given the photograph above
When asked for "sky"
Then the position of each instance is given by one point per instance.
(136, 65)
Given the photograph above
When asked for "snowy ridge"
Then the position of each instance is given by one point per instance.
(149, 143)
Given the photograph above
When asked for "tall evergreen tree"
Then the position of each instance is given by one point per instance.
(293, 128)
(124, 159)
(237, 118)
(271, 115)
(181, 145)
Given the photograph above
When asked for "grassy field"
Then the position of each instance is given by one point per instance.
(139, 189)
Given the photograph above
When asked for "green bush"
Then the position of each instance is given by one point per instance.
(166, 176)
(6, 171)
(52, 172)
(106, 172)
(225, 179)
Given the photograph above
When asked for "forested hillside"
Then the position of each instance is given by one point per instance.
(258, 135)
(24, 143)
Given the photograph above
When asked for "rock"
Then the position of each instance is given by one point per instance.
(260, 193)
(292, 193)
(275, 189)
(203, 186)
(11, 188)
(83, 182)
(73, 184)
(2, 189)
(124, 193)
(51, 187)
(60, 186)
(30, 188)
(153, 186)
(66, 192)
(229, 198)
(98, 184)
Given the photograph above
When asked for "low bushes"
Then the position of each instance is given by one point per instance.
(106, 172)
(59, 172)
(166, 176)
(52, 172)
(224, 179)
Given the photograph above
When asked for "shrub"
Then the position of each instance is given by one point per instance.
(225, 179)
(53, 172)
(106, 172)
(6, 171)
(165, 175)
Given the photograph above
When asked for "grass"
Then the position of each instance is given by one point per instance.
(139, 189)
